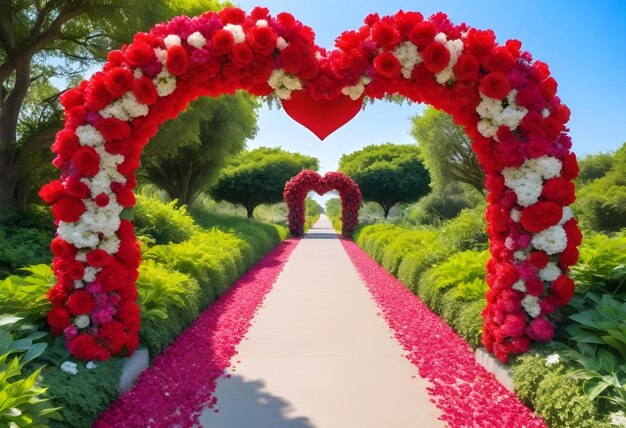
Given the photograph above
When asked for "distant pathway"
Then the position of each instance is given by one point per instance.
(318, 354)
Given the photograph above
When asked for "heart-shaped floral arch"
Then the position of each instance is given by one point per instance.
(504, 99)
(299, 186)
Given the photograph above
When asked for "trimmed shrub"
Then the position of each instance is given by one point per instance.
(163, 222)
(469, 322)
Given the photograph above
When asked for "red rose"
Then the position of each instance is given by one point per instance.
(539, 259)
(177, 61)
(98, 258)
(86, 161)
(57, 296)
(436, 57)
(58, 317)
(534, 286)
(262, 40)
(68, 209)
(115, 58)
(118, 81)
(569, 256)
(80, 302)
(129, 313)
(76, 188)
(540, 329)
(113, 336)
(291, 59)
(75, 270)
(495, 85)
(521, 345)
(65, 143)
(506, 275)
(570, 169)
(112, 276)
(51, 192)
(61, 248)
(574, 236)
(144, 90)
(500, 60)
(126, 231)
(126, 198)
(562, 113)
(532, 122)
(423, 33)
(514, 325)
(132, 343)
(385, 35)
(387, 65)
(113, 129)
(71, 98)
(85, 347)
(467, 68)
(97, 96)
(541, 215)
(232, 15)
(563, 288)
(242, 55)
(560, 190)
(548, 88)
(309, 67)
(138, 54)
(481, 42)
(552, 127)
(128, 291)
(222, 40)
(102, 200)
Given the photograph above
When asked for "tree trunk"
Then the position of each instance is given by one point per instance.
(250, 210)
(386, 209)
(7, 189)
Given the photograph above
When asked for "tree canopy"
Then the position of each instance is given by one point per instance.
(447, 150)
(387, 174)
(258, 177)
(45, 47)
(185, 157)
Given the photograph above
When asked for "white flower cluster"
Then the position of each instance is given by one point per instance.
(496, 113)
(69, 367)
(455, 47)
(165, 83)
(171, 40)
(196, 40)
(125, 108)
(281, 43)
(519, 286)
(527, 180)
(261, 23)
(284, 83)
(553, 240)
(531, 306)
(82, 321)
(237, 32)
(409, 57)
(552, 359)
(550, 273)
(89, 136)
(355, 92)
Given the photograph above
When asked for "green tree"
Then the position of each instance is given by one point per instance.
(206, 136)
(593, 167)
(259, 176)
(601, 203)
(447, 150)
(45, 43)
(387, 174)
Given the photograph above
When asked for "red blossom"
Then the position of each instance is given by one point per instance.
(436, 57)
(423, 33)
(144, 90)
(118, 81)
(262, 40)
(138, 54)
(80, 302)
(387, 65)
(86, 161)
(177, 61)
(385, 35)
(495, 85)
(51, 192)
(541, 216)
(68, 209)
(58, 318)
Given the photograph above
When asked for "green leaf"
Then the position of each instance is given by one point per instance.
(9, 320)
(35, 351)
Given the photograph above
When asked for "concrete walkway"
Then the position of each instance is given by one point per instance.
(318, 355)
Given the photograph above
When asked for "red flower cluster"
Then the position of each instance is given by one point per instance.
(299, 186)
(404, 54)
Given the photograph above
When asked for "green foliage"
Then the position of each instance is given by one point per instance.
(447, 150)
(312, 212)
(406, 241)
(602, 264)
(163, 222)
(442, 205)
(467, 231)
(555, 396)
(207, 134)
(259, 176)
(333, 208)
(593, 167)
(469, 322)
(22, 397)
(25, 297)
(387, 174)
(82, 397)
(602, 324)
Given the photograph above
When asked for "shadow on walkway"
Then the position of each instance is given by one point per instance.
(254, 408)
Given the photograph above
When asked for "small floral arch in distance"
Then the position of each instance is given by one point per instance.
(505, 100)
(299, 186)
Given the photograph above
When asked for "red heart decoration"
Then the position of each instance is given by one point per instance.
(321, 118)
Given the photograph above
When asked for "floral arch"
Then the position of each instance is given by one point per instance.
(505, 100)
(299, 186)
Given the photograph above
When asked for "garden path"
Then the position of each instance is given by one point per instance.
(318, 354)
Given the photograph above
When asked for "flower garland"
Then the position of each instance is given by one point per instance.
(506, 102)
(299, 186)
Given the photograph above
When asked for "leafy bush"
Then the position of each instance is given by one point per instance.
(20, 246)
(555, 396)
(26, 296)
(437, 207)
(469, 322)
(22, 397)
(416, 263)
(163, 222)
(467, 231)
(602, 264)
(406, 241)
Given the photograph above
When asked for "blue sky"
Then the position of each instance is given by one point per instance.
(581, 41)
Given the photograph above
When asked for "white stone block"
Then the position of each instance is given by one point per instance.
(133, 366)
